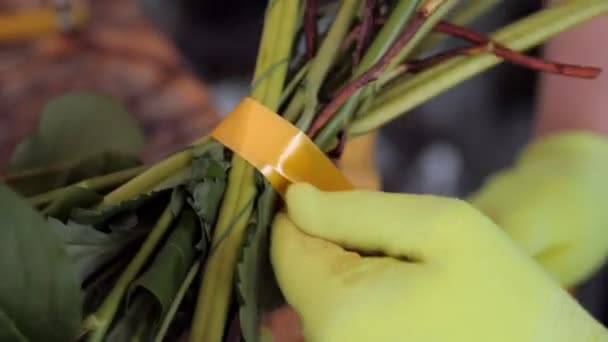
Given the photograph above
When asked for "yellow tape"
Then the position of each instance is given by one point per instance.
(279, 150)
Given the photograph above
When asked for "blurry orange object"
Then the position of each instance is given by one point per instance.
(35, 23)
(359, 164)
(283, 325)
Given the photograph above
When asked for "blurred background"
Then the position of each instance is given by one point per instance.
(179, 65)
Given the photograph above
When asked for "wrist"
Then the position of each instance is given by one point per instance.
(565, 103)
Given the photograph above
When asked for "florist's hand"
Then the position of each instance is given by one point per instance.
(553, 204)
(370, 266)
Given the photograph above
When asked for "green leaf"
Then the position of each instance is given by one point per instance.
(74, 197)
(74, 127)
(152, 294)
(256, 285)
(207, 186)
(8, 330)
(171, 313)
(166, 273)
(209, 148)
(88, 248)
(40, 297)
(101, 320)
(177, 201)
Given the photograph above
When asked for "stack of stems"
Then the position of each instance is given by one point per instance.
(217, 285)
(520, 36)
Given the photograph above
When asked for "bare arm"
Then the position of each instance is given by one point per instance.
(574, 104)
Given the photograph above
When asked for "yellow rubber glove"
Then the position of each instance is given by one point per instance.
(428, 269)
(553, 203)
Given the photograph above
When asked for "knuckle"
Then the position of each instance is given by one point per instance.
(464, 215)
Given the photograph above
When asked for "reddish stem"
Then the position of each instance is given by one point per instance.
(364, 30)
(514, 56)
(482, 44)
(354, 33)
(460, 32)
(310, 27)
(349, 89)
(426, 63)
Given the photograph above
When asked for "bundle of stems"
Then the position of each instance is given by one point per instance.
(360, 64)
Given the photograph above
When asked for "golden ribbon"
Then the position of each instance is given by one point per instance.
(279, 150)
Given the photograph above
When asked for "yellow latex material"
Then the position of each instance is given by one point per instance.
(358, 162)
(553, 204)
(279, 150)
(36, 23)
(446, 273)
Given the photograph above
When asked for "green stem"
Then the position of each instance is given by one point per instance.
(149, 178)
(157, 173)
(300, 99)
(390, 31)
(325, 137)
(423, 32)
(216, 289)
(294, 109)
(294, 83)
(522, 35)
(390, 75)
(100, 321)
(472, 10)
(179, 296)
(217, 285)
(318, 69)
(399, 17)
(98, 183)
(462, 16)
(325, 59)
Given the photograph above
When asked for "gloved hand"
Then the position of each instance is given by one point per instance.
(370, 266)
(553, 204)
